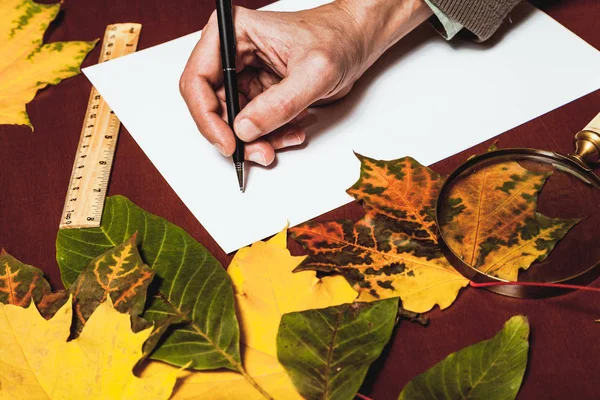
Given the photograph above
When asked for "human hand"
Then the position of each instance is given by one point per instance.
(287, 61)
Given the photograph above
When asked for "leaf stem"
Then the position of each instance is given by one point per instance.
(251, 381)
(238, 365)
(538, 284)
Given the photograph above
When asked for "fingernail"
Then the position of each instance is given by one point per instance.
(293, 139)
(246, 130)
(220, 148)
(258, 158)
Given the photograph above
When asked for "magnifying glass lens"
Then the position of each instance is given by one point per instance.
(517, 218)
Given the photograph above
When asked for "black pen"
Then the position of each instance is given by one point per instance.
(228, 55)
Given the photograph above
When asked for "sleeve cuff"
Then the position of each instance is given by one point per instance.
(446, 26)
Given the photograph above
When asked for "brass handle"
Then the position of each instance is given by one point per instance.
(587, 143)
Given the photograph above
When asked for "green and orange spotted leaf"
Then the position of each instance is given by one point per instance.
(20, 283)
(489, 204)
(27, 65)
(531, 242)
(393, 250)
(492, 223)
(120, 273)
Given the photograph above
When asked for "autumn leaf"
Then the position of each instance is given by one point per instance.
(20, 283)
(120, 273)
(532, 241)
(26, 65)
(265, 289)
(327, 352)
(207, 332)
(393, 250)
(36, 361)
(492, 369)
(491, 220)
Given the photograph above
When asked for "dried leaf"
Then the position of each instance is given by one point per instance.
(393, 250)
(19, 283)
(492, 223)
(327, 352)
(119, 272)
(36, 361)
(207, 333)
(265, 289)
(492, 369)
(26, 64)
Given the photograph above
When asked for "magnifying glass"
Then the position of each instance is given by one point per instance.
(518, 219)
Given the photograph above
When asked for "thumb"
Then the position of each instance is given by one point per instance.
(307, 82)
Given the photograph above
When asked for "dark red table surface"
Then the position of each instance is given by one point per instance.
(564, 358)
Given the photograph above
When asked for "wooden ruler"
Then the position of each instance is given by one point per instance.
(98, 140)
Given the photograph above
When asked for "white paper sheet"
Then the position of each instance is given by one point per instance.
(426, 98)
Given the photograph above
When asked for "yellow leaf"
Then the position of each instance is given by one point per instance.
(265, 289)
(37, 362)
(25, 64)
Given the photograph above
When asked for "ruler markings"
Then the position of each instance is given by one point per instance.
(98, 140)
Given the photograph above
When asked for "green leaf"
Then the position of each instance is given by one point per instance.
(489, 370)
(119, 272)
(19, 283)
(191, 285)
(327, 352)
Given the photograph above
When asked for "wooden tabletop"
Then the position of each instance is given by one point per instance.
(564, 360)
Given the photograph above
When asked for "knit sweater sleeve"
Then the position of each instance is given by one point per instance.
(481, 17)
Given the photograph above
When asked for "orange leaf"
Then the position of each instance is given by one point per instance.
(392, 251)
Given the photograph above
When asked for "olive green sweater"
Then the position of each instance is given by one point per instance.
(481, 17)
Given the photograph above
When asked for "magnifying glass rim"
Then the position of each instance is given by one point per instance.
(580, 170)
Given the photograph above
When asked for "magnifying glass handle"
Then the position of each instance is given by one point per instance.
(587, 142)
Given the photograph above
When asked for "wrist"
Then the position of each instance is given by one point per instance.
(382, 23)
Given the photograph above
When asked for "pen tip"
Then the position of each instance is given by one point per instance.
(239, 168)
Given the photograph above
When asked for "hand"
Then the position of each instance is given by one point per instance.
(286, 62)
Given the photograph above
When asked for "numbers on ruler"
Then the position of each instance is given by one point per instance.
(98, 140)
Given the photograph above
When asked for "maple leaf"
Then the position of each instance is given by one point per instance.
(265, 288)
(491, 220)
(20, 283)
(26, 65)
(393, 250)
(36, 361)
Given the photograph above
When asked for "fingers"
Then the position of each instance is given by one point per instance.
(201, 76)
(287, 136)
(306, 83)
(262, 151)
